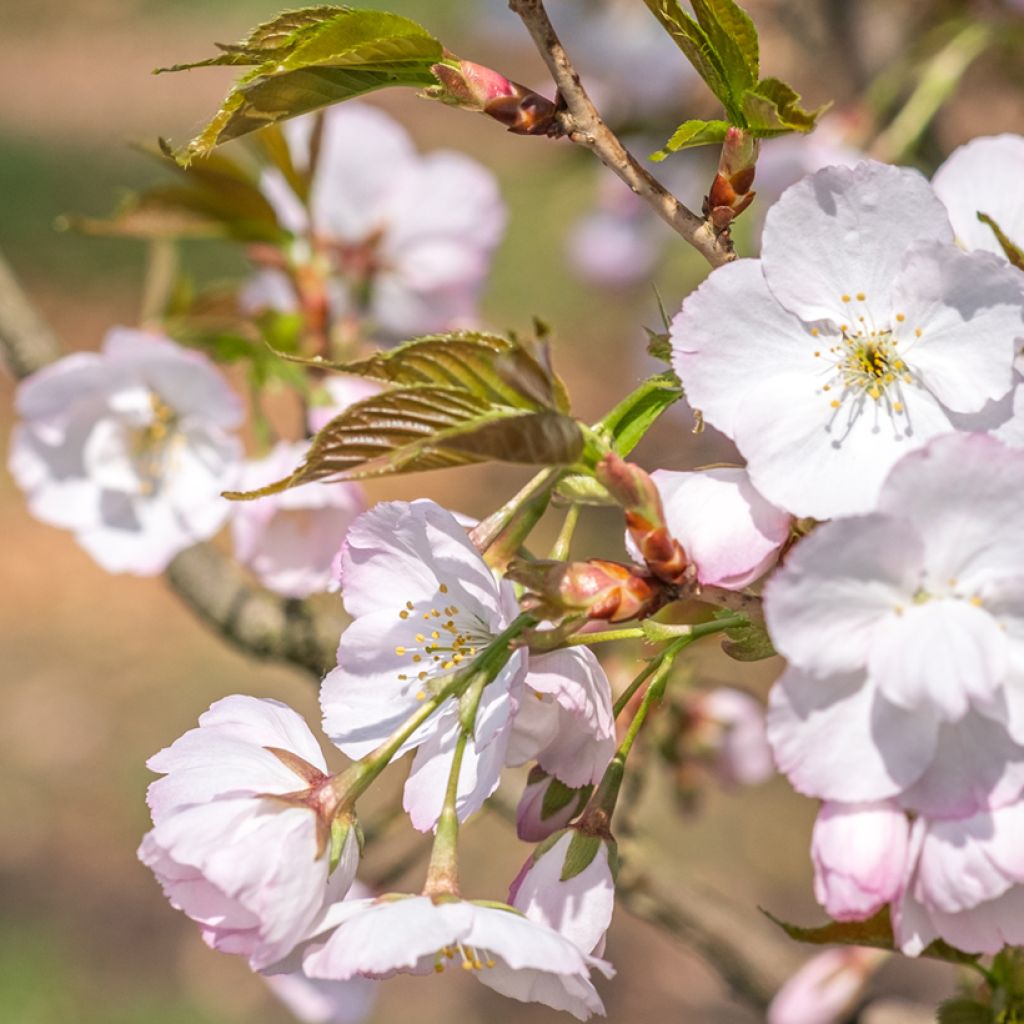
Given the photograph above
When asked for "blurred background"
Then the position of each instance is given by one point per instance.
(99, 672)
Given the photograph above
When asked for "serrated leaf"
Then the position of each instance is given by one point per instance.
(691, 134)
(558, 796)
(773, 108)
(688, 35)
(734, 37)
(581, 853)
(1013, 252)
(321, 56)
(964, 1011)
(629, 421)
(410, 429)
(749, 642)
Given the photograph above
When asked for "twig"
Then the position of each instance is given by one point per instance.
(302, 633)
(583, 125)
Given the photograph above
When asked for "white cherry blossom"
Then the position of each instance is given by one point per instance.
(408, 236)
(423, 603)
(290, 540)
(904, 630)
(129, 448)
(826, 988)
(858, 336)
(240, 839)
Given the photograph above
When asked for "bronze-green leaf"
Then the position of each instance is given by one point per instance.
(773, 108)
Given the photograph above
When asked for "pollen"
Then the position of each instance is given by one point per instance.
(443, 588)
(861, 296)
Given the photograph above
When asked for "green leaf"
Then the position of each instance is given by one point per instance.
(964, 1011)
(698, 50)
(773, 108)
(410, 429)
(749, 642)
(581, 853)
(626, 425)
(1013, 252)
(558, 796)
(308, 59)
(734, 37)
(693, 133)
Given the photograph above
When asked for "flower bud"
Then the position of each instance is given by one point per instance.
(475, 87)
(827, 988)
(606, 591)
(568, 884)
(859, 853)
(730, 192)
(547, 806)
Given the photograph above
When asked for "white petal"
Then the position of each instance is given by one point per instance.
(984, 176)
(843, 231)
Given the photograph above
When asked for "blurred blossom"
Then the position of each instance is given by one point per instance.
(242, 825)
(860, 856)
(862, 332)
(290, 540)
(827, 988)
(324, 1002)
(904, 631)
(399, 934)
(403, 239)
(580, 906)
(129, 448)
(423, 602)
(731, 730)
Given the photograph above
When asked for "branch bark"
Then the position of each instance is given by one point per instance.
(26, 340)
(583, 125)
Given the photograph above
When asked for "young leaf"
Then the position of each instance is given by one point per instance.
(424, 427)
(693, 133)
(308, 59)
(964, 1011)
(734, 37)
(1013, 252)
(749, 642)
(581, 853)
(630, 420)
(773, 108)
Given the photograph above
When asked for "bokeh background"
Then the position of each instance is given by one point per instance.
(98, 672)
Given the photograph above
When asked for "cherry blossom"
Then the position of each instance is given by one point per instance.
(579, 907)
(826, 988)
(858, 335)
(129, 448)
(406, 237)
(546, 806)
(727, 726)
(520, 958)
(984, 176)
(290, 540)
(904, 630)
(860, 854)
(242, 829)
(324, 1002)
(423, 603)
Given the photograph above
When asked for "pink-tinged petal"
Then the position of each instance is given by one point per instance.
(837, 589)
(826, 988)
(976, 765)
(1010, 429)
(813, 459)
(290, 210)
(984, 176)
(53, 390)
(737, 739)
(986, 929)
(731, 534)
(478, 778)
(567, 992)
(943, 655)
(941, 491)
(585, 738)
(268, 289)
(967, 315)
(579, 908)
(730, 336)
(402, 308)
(613, 250)
(837, 739)
(324, 1002)
(844, 231)
(860, 857)
(364, 155)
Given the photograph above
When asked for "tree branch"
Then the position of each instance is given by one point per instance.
(583, 125)
(259, 622)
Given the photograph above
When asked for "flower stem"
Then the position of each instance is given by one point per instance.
(560, 549)
(607, 635)
(443, 871)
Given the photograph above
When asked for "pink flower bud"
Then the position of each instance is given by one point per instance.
(730, 192)
(546, 806)
(859, 853)
(826, 988)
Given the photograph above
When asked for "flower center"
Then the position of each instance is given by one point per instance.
(152, 444)
(446, 636)
(472, 959)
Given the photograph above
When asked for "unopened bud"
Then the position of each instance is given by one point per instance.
(475, 87)
(600, 590)
(730, 192)
(547, 806)
(633, 488)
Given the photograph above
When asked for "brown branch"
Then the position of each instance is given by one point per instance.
(259, 622)
(583, 125)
